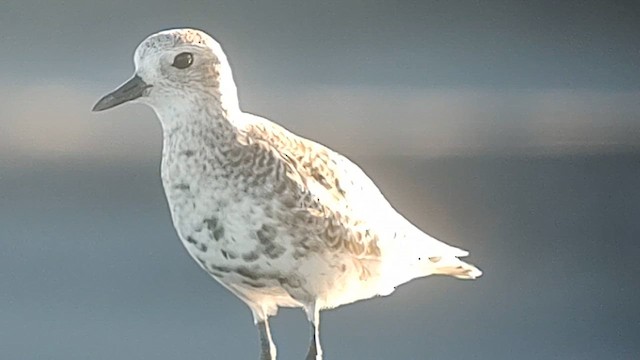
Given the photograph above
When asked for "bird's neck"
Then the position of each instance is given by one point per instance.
(198, 129)
(196, 124)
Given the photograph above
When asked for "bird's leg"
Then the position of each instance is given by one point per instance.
(315, 350)
(267, 347)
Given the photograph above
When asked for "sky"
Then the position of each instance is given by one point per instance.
(510, 129)
(461, 77)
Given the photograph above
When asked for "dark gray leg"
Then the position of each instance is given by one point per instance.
(267, 347)
(315, 350)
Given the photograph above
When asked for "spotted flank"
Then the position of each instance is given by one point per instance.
(277, 219)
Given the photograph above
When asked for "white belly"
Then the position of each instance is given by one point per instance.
(234, 236)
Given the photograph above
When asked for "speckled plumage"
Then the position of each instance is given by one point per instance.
(279, 220)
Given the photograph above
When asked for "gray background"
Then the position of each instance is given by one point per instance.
(509, 129)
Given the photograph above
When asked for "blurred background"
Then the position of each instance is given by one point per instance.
(510, 129)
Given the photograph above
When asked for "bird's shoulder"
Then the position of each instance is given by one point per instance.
(335, 191)
(333, 178)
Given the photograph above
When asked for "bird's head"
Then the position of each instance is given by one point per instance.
(176, 64)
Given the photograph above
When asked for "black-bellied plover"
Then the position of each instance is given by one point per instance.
(277, 219)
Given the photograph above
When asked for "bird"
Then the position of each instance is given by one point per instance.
(279, 220)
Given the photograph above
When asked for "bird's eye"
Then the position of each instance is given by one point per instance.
(183, 60)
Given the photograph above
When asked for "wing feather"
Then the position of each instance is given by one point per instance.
(344, 195)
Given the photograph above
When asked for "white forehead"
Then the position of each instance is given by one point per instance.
(168, 40)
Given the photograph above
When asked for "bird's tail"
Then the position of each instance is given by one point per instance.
(452, 266)
(399, 272)
(435, 265)
(437, 258)
(416, 254)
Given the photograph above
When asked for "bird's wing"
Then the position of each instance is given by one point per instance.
(332, 178)
(344, 191)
